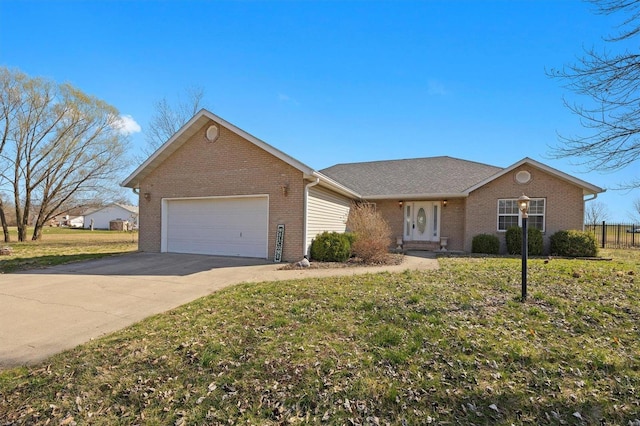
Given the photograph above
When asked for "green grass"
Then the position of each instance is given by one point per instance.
(64, 245)
(452, 346)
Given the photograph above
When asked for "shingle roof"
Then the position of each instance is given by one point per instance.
(416, 176)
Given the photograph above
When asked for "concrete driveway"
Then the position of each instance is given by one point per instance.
(46, 311)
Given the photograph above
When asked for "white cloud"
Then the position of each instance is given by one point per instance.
(126, 125)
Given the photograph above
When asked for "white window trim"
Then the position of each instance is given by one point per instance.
(544, 213)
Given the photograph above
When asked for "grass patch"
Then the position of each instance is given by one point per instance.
(452, 346)
(64, 245)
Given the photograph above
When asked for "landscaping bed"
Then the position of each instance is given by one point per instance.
(391, 259)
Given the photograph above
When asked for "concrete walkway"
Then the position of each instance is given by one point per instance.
(46, 311)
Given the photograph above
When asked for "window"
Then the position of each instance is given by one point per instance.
(536, 213)
(509, 215)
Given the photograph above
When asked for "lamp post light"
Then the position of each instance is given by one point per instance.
(523, 205)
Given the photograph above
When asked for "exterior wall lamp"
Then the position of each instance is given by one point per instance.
(523, 205)
(147, 196)
(400, 204)
(444, 203)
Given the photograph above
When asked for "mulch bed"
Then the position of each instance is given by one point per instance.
(392, 259)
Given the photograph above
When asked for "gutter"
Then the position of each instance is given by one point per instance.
(304, 212)
(433, 196)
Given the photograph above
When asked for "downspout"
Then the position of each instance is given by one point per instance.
(306, 216)
(584, 206)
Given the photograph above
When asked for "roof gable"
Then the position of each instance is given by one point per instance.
(187, 131)
(587, 188)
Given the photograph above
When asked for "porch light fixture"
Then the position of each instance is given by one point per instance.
(285, 189)
(444, 203)
(523, 205)
(147, 196)
(400, 204)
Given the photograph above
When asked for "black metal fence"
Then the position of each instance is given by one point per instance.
(616, 235)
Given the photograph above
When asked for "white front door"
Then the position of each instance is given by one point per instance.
(422, 221)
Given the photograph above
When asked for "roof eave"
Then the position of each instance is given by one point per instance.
(333, 184)
(435, 195)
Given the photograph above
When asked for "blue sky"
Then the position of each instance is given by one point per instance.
(332, 81)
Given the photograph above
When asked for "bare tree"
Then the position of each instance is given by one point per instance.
(611, 83)
(62, 146)
(9, 103)
(168, 118)
(595, 212)
(635, 213)
(3, 221)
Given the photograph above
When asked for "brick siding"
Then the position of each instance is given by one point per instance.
(564, 204)
(229, 166)
(451, 218)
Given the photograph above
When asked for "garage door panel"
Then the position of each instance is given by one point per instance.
(228, 226)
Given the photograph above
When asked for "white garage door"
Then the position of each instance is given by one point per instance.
(219, 226)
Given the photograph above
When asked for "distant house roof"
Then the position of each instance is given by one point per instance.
(130, 209)
(416, 177)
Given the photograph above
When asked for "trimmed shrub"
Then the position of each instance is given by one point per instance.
(534, 241)
(351, 237)
(573, 244)
(485, 243)
(372, 234)
(331, 247)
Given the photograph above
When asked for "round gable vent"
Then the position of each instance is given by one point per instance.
(212, 133)
(523, 176)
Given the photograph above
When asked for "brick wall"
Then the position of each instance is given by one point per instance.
(564, 204)
(394, 216)
(451, 218)
(229, 166)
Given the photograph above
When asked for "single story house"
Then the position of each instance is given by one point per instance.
(102, 217)
(73, 221)
(213, 188)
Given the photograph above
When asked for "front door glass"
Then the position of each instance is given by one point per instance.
(422, 221)
(408, 222)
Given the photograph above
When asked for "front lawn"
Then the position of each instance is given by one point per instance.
(452, 346)
(64, 245)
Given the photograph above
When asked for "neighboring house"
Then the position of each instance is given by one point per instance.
(69, 221)
(73, 221)
(215, 189)
(100, 218)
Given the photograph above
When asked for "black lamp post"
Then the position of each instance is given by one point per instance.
(523, 205)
